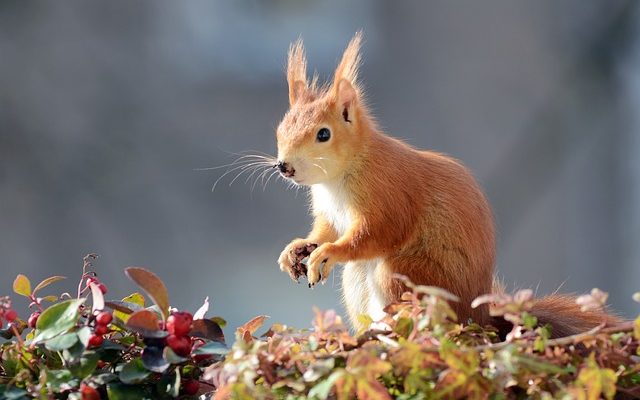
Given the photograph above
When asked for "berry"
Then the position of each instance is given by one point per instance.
(190, 387)
(88, 392)
(179, 323)
(95, 340)
(33, 319)
(101, 329)
(10, 315)
(104, 318)
(101, 364)
(102, 288)
(180, 345)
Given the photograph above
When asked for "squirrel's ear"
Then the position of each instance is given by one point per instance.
(345, 85)
(297, 72)
(346, 98)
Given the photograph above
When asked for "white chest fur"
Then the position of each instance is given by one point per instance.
(332, 202)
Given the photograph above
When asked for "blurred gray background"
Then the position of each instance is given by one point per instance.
(107, 108)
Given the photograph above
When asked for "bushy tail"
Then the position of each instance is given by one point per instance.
(566, 318)
(562, 313)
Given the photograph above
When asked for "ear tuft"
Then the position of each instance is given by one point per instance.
(350, 63)
(297, 72)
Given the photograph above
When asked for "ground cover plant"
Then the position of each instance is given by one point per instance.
(84, 346)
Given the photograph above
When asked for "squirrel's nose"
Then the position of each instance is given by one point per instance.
(285, 169)
(282, 166)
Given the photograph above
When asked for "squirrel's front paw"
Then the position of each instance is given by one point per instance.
(321, 262)
(290, 259)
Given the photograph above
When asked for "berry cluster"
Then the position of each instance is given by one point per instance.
(100, 328)
(7, 314)
(179, 325)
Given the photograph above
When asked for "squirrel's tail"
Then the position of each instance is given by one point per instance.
(566, 318)
(562, 313)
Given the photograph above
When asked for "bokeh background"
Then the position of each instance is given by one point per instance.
(108, 108)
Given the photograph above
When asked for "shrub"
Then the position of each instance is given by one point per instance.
(85, 347)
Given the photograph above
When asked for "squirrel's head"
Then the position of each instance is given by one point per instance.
(321, 132)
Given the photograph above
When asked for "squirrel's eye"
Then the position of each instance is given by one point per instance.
(323, 135)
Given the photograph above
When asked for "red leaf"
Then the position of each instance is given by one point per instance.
(153, 285)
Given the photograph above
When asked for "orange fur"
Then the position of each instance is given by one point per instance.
(382, 207)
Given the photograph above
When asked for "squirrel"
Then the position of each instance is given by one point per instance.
(382, 207)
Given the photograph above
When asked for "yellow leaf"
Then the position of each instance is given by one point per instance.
(22, 285)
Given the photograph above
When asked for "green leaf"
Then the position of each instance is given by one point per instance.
(60, 380)
(153, 360)
(169, 385)
(172, 357)
(134, 372)
(84, 334)
(152, 285)
(47, 282)
(22, 285)
(119, 391)
(212, 348)
(403, 327)
(61, 342)
(86, 365)
(57, 319)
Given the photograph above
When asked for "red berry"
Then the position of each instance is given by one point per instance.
(102, 288)
(101, 329)
(10, 315)
(190, 387)
(179, 323)
(180, 345)
(33, 319)
(104, 318)
(95, 340)
(101, 364)
(88, 392)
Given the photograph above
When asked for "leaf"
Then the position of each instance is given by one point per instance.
(220, 321)
(169, 384)
(153, 286)
(135, 298)
(598, 382)
(22, 286)
(403, 327)
(207, 329)
(153, 359)
(252, 326)
(50, 298)
(84, 334)
(47, 282)
(134, 372)
(97, 297)
(120, 391)
(202, 310)
(172, 357)
(212, 348)
(57, 319)
(145, 322)
(61, 342)
(87, 364)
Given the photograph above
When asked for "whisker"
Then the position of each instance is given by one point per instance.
(322, 169)
(249, 168)
(241, 166)
(268, 179)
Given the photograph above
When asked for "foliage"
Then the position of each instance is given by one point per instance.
(86, 347)
(420, 352)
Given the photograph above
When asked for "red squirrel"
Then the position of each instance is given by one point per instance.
(382, 207)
